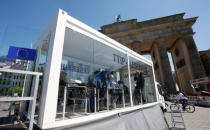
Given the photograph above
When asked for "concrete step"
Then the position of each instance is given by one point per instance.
(176, 116)
(178, 122)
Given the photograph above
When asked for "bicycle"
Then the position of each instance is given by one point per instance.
(176, 106)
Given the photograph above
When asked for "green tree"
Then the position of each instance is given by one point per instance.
(18, 90)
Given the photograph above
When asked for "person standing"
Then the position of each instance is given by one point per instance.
(139, 86)
(111, 86)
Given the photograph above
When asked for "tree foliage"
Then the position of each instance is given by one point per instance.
(18, 90)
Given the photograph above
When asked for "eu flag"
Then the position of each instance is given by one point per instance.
(21, 53)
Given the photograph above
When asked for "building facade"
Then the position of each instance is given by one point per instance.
(12, 80)
(205, 58)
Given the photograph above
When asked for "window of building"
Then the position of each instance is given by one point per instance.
(176, 52)
(156, 66)
(153, 55)
(180, 63)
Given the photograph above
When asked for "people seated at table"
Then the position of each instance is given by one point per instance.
(98, 81)
(104, 81)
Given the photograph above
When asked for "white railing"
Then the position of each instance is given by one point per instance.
(32, 97)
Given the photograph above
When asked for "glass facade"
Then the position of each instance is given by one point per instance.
(94, 77)
(142, 82)
(110, 69)
(76, 70)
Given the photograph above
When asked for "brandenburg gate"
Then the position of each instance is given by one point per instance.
(156, 37)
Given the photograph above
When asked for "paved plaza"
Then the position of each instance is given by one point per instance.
(199, 120)
(4, 106)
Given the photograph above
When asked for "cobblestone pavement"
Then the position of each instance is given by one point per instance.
(199, 120)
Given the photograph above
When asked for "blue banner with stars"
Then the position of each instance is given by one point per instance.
(21, 53)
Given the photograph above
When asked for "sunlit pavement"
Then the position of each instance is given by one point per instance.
(4, 106)
(199, 120)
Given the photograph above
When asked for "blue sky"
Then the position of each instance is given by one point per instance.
(22, 21)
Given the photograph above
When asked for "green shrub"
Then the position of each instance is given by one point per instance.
(17, 90)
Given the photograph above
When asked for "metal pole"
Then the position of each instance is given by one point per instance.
(141, 94)
(129, 79)
(24, 83)
(64, 103)
(86, 105)
(145, 94)
(11, 103)
(95, 99)
(34, 103)
(107, 96)
(98, 99)
(73, 105)
(123, 97)
(114, 102)
(86, 100)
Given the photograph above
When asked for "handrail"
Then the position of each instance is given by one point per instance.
(20, 71)
(2, 99)
(31, 98)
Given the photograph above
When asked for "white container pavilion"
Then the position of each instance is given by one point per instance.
(69, 43)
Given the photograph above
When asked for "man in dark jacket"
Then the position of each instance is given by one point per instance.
(139, 86)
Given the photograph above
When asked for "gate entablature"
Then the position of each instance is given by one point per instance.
(128, 32)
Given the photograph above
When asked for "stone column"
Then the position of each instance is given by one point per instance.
(182, 66)
(162, 66)
(196, 65)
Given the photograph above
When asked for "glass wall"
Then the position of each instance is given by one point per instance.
(142, 82)
(76, 70)
(41, 67)
(110, 77)
(37, 66)
(94, 78)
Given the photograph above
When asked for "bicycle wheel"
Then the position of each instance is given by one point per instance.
(174, 107)
(190, 108)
